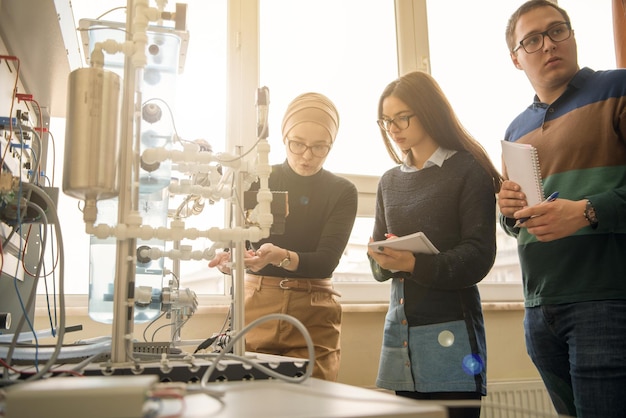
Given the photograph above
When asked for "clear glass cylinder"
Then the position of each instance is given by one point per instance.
(102, 267)
(158, 88)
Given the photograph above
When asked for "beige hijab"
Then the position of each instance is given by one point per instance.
(311, 107)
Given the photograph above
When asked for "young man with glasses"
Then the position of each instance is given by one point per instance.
(572, 250)
(291, 272)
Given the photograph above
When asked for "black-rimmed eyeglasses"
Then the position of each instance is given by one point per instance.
(557, 33)
(299, 148)
(401, 122)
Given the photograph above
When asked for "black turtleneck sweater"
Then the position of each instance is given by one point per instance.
(322, 209)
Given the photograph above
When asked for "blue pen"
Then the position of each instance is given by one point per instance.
(550, 198)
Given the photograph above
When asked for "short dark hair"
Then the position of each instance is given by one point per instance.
(523, 9)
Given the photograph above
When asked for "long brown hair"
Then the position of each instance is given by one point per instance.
(422, 94)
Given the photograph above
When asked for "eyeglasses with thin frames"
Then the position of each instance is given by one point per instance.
(557, 33)
(299, 148)
(401, 122)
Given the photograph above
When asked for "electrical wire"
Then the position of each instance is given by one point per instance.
(150, 324)
(53, 358)
(158, 329)
(45, 276)
(56, 372)
(209, 341)
(31, 298)
(272, 317)
(178, 328)
(25, 308)
(40, 120)
(109, 11)
(166, 326)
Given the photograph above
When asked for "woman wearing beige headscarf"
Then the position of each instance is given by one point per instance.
(291, 272)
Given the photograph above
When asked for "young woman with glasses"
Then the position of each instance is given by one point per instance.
(443, 185)
(290, 272)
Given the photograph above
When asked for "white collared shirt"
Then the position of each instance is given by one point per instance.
(437, 158)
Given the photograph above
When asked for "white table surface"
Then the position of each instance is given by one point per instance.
(311, 398)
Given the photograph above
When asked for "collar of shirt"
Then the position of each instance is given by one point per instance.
(577, 82)
(438, 157)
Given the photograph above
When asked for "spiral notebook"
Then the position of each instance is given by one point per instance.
(522, 167)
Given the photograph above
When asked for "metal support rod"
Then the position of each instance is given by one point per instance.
(124, 281)
(238, 311)
(176, 319)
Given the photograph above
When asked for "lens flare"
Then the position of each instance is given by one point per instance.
(446, 338)
(473, 364)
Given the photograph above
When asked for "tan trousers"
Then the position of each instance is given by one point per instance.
(312, 302)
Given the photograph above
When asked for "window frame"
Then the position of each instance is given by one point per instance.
(413, 54)
(243, 63)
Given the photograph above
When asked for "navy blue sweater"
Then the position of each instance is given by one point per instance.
(454, 205)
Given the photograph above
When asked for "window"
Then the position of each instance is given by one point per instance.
(322, 46)
(348, 50)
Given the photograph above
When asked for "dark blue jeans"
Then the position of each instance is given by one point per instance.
(580, 352)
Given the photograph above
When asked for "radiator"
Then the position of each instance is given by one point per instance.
(517, 399)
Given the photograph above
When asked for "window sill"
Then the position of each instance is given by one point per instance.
(76, 305)
(382, 307)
